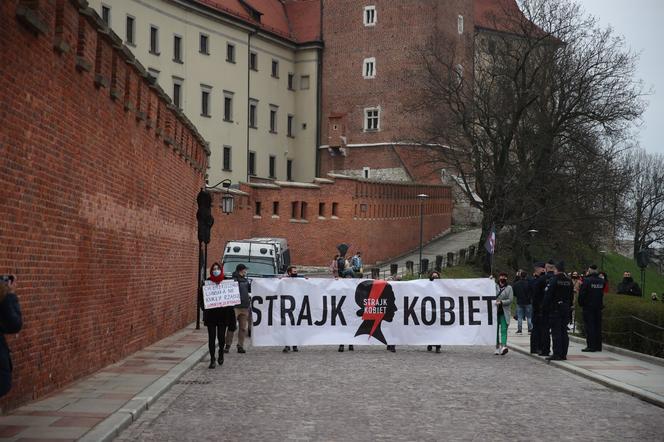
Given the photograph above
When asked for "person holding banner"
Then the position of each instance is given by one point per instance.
(434, 275)
(504, 297)
(291, 272)
(217, 320)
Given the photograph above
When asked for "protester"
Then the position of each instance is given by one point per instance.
(504, 297)
(241, 310)
(291, 272)
(334, 266)
(219, 321)
(11, 321)
(356, 262)
(557, 300)
(524, 307)
(591, 300)
(628, 286)
(433, 276)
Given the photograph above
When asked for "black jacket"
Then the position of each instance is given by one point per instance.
(629, 287)
(559, 291)
(591, 294)
(218, 316)
(11, 322)
(537, 287)
(245, 289)
(522, 293)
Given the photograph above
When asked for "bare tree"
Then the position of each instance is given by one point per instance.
(645, 216)
(538, 125)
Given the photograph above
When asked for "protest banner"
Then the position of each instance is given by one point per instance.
(225, 294)
(300, 311)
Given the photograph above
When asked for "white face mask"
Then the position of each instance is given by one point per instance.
(216, 272)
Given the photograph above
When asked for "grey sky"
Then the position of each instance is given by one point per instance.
(639, 21)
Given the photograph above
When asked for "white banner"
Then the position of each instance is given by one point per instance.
(225, 294)
(299, 311)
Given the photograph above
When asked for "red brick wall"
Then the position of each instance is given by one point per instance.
(98, 184)
(403, 28)
(388, 226)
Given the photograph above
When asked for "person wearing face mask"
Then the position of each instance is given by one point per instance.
(628, 286)
(433, 276)
(217, 320)
(291, 272)
(241, 310)
(504, 297)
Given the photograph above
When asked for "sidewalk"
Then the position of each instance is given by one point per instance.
(639, 375)
(98, 407)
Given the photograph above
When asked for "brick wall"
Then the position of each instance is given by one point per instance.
(98, 184)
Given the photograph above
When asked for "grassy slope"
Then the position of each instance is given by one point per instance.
(615, 265)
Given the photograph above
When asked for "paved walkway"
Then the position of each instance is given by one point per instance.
(165, 393)
(97, 406)
(441, 246)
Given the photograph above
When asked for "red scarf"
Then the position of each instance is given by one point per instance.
(217, 279)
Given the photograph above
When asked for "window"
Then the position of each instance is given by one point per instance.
(365, 172)
(252, 163)
(154, 40)
(303, 210)
(275, 68)
(273, 119)
(304, 82)
(335, 207)
(289, 127)
(258, 208)
(371, 119)
(106, 14)
(369, 69)
(369, 16)
(321, 209)
(253, 123)
(460, 24)
(291, 81)
(228, 106)
(293, 214)
(253, 61)
(177, 49)
(227, 159)
(273, 166)
(204, 44)
(289, 170)
(129, 31)
(205, 101)
(177, 92)
(275, 208)
(230, 53)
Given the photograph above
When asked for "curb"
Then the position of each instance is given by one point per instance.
(112, 426)
(639, 393)
(623, 351)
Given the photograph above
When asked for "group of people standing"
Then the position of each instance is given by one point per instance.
(344, 268)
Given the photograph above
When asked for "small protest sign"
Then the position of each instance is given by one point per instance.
(225, 294)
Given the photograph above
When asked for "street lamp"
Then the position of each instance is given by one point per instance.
(603, 253)
(205, 222)
(422, 197)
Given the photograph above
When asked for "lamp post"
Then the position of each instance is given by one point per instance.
(603, 253)
(422, 197)
(205, 223)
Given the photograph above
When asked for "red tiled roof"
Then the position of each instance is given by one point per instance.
(502, 16)
(294, 20)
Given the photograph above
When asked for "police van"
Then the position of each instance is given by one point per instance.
(264, 257)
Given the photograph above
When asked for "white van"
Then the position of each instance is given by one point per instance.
(264, 257)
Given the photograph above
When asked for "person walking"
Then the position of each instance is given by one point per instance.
(591, 300)
(219, 321)
(11, 321)
(433, 276)
(291, 272)
(241, 310)
(504, 297)
(557, 300)
(524, 306)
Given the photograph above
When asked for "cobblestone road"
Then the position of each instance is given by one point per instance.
(465, 393)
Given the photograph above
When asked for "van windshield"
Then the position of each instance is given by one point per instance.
(254, 268)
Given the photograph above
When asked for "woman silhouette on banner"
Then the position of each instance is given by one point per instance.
(377, 304)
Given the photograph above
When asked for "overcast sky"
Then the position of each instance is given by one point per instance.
(640, 22)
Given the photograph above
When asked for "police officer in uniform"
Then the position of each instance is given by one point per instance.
(558, 298)
(591, 299)
(537, 285)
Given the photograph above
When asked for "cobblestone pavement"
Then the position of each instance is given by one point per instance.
(465, 393)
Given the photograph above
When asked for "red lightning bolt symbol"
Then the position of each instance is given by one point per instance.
(376, 290)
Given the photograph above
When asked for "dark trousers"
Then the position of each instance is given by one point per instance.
(5, 372)
(592, 322)
(535, 335)
(558, 322)
(545, 334)
(216, 332)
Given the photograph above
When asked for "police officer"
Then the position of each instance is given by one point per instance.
(539, 338)
(558, 298)
(591, 299)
